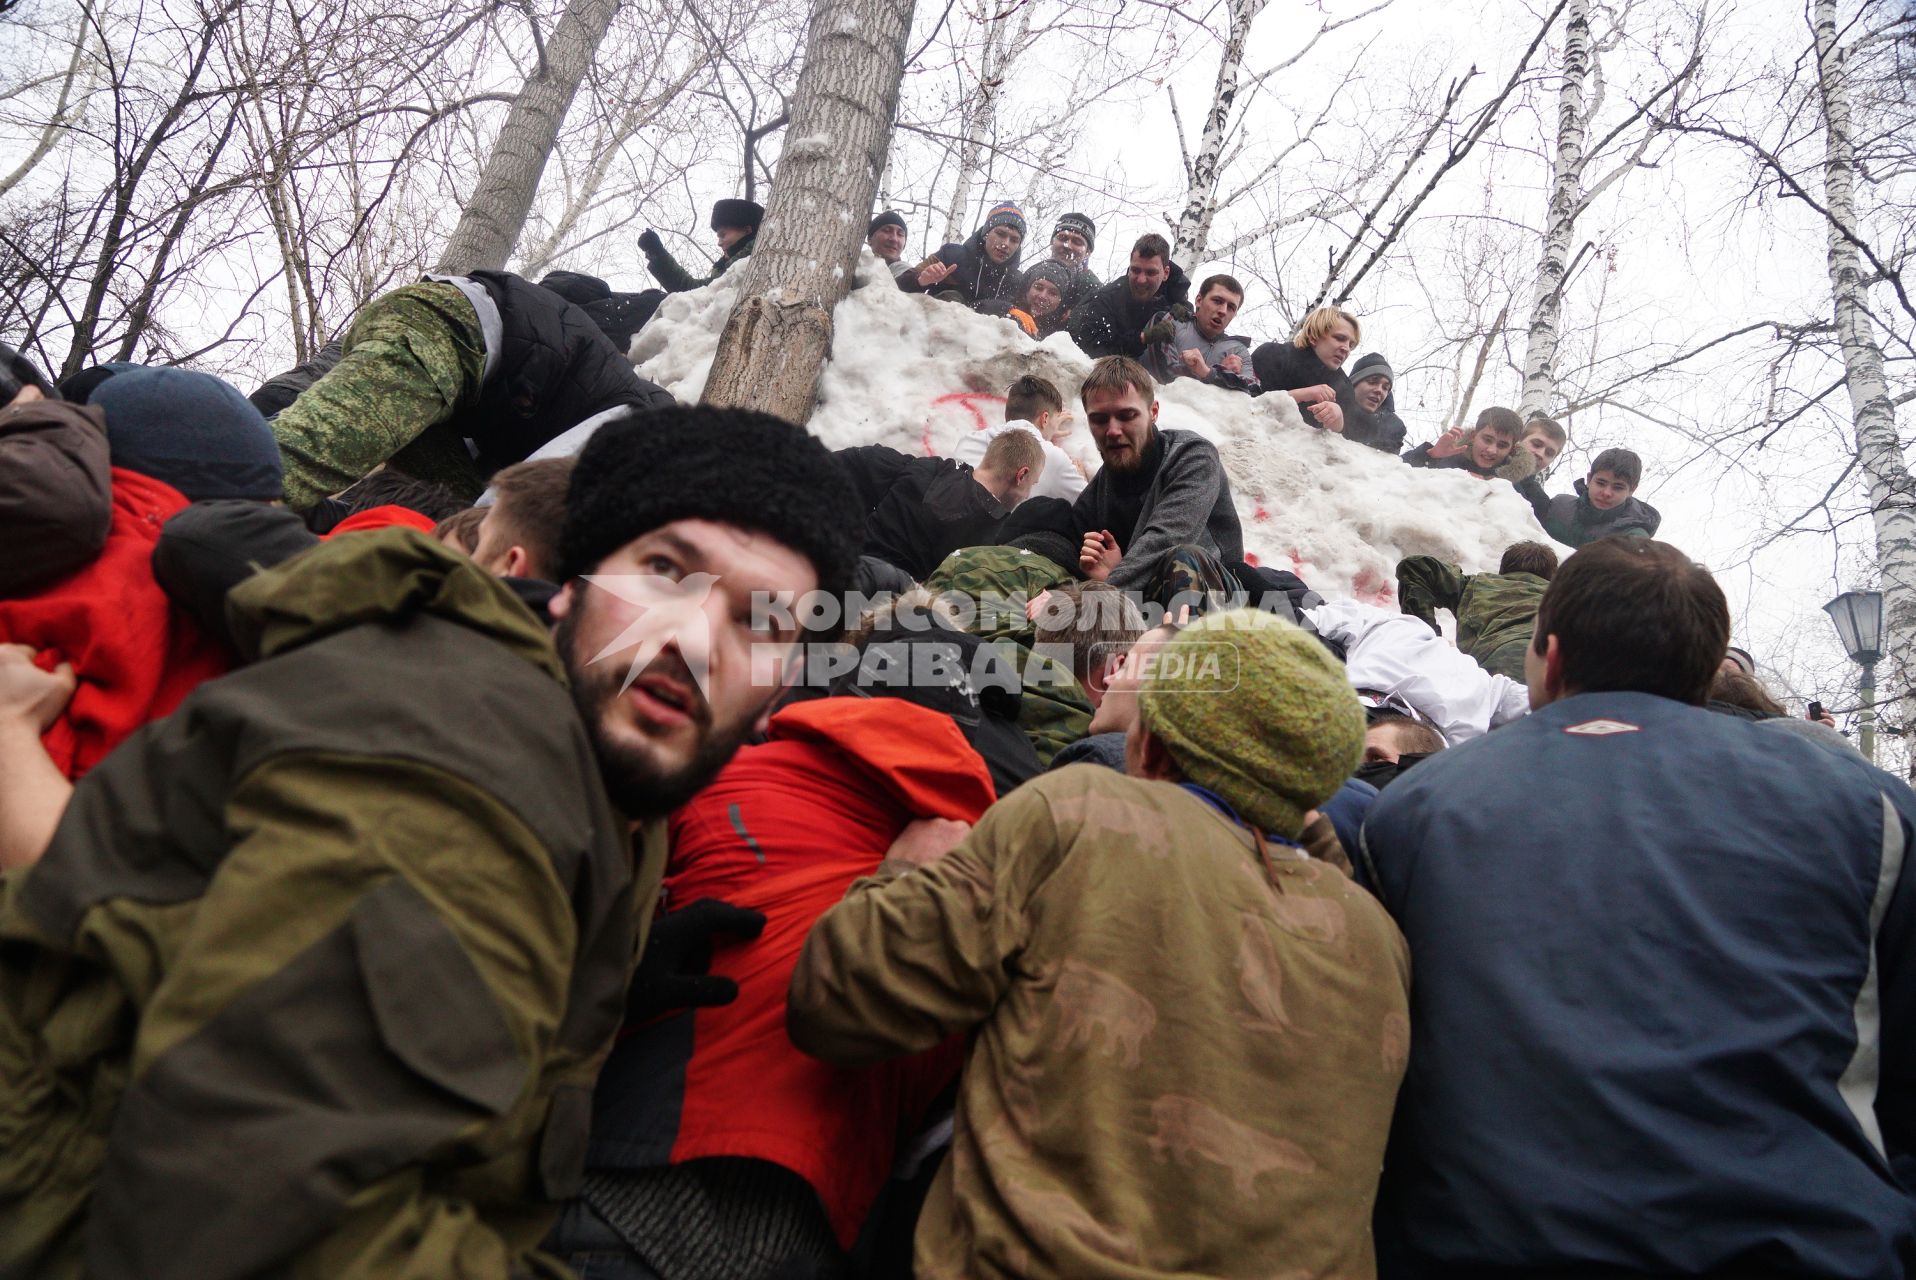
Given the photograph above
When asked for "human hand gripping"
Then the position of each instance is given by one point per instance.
(1329, 415)
(924, 842)
(1099, 555)
(29, 697)
(1194, 363)
(675, 971)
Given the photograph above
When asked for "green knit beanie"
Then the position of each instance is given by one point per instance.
(1254, 709)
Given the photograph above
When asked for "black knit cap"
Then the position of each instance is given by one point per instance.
(889, 218)
(737, 213)
(695, 462)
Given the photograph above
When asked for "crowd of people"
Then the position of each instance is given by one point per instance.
(464, 813)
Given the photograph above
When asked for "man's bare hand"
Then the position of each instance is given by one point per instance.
(1232, 364)
(1311, 395)
(1099, 555)
(1449, 444)
(935, 272)
(30, 695)
(1329, 415)
(1194, 363)
(926, 840)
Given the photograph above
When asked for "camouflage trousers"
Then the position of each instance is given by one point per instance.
(1193, 578)
(1504, 660)
(413, 359)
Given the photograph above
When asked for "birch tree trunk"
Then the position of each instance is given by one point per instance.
(778, 336)
(980, 115)
(1560, 224)
(1193, 234)
(1878, 451)
(490, 223)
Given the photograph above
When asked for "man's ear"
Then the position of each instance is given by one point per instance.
(1553, 668)
(562, 601)
(1044, 421)
(1099, 678)
(1154, 413)
(515, 562)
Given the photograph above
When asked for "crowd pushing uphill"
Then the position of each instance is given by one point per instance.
(464, 812)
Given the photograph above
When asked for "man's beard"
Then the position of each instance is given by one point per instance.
(637, 784)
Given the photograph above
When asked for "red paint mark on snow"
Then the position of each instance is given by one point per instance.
(1371, 587)
(1260, 514)
(973, 402)
(1297, 561)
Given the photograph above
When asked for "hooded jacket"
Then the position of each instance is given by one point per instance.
(1573, 521)
(977, 279)
(1381, 429)
(316, 974)
(1165, 360)
(56, 500)
(785, 829)
(1186, 500)
(135, 655)
(1112, 323)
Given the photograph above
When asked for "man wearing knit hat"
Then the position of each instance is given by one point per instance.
(1375, 422)
(982, 269)
(734, 222)
(326, 963)
(886, 236)
(1071, 243)
(1185, 1036)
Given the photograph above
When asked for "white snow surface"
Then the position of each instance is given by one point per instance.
(914, 373)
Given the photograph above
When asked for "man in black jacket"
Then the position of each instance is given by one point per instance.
(1111, 322)
(920, 510)
(451, 379)
(734, 222)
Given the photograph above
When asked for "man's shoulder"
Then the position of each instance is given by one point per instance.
(1182, 444)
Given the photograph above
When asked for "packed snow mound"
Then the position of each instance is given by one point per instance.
(915, 374)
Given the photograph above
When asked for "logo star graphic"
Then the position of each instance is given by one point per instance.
(671, 611)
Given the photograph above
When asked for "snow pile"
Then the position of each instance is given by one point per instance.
(916, 374)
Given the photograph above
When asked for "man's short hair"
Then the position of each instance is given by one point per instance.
(1740, 689)
(1547, 427)
(1030, 396)
(528, 510)
(461, 529)
(1529, 557)
(1096, 619)
(1228, 282)
(1151, 245)
(1633, 614)
(1499, 421)
(1621, 463)
(1414, 737)
(1011, 451)
(1118, 373)
(1321, 321)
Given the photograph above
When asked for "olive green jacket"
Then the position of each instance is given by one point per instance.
(1496, 612)
(317, 973)
(674, 278)
(1184, 1046)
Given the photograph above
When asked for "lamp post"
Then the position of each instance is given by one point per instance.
(1858, 616)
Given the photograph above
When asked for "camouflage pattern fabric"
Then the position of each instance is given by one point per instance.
(1054, 711)
(990, 586)
(1496, 612)
(413, 359)
(1214, 1105)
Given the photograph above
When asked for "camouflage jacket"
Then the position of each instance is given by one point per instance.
(1496, 612)
(316, 974)
(990, 586)
(1187, 1041)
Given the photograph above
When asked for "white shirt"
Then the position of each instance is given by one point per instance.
(1395, 653)
(1061, 478)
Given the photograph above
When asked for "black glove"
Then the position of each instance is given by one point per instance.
(650, 243)
(673, 972)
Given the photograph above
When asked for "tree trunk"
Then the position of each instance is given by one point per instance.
(779, 334)
(980, 113)
(1200, 200)
(1878, 451)
(1560, 223)
(490, 223)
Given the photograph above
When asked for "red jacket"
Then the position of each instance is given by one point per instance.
(135, 655)
(784, 829)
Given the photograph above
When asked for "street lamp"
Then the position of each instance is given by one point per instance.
(1858, 616)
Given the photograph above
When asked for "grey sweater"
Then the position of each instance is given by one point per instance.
(1187, 501)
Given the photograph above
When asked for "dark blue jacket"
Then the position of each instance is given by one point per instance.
(1655, 953)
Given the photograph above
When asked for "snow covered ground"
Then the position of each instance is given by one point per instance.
(916, 374)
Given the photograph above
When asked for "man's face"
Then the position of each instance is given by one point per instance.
(1118, 710)
(1608, 490)
(1372, 392)
(1381, 745)
(1542, 448)
(1146, 276)
(1488, 449)
(888, 242)
(1121, 423)
(1068, 246)
(729, 236)
(661, 738)
(1335, 347)
(1002, 242)
(1215, 311)
(1041, 297)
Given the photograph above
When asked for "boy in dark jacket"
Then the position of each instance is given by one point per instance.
(1480, 451)
(1111, 322)
(983, 269)
(1602, 506)
(734, 222)
(920, 510)
(1310, 367)
(1374, 423)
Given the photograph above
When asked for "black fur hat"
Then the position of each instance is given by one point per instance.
(737, 213)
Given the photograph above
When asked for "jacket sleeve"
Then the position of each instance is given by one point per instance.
(1242, 381)
(56, 492)
(369, 992)
(671, 276)
(1420, 456)
(282, 389)
(1093, 328)
(1531, 488)
(1896, 974)
(211, 547)
(1426, 584)
(903, 963)
(1181, 514)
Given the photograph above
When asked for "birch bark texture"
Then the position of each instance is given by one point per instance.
(778, 336)
(1560, 223)
(979, 117)
(1878, 452)
(494, 216)
(1193, 233)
